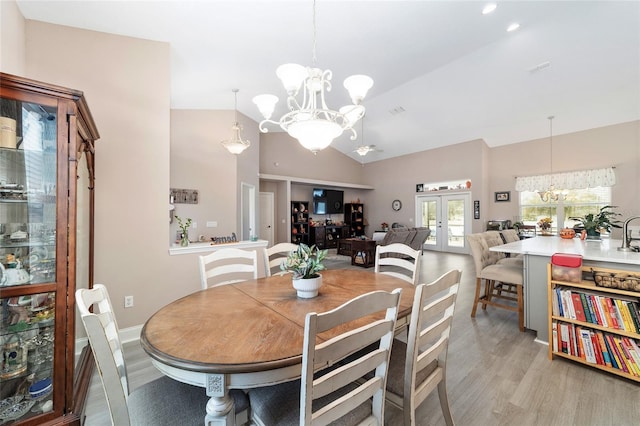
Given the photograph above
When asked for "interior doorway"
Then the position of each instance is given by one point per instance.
(247, 211)
(448, 217)
(267, 222)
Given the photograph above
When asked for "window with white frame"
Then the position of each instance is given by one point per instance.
(572, 203)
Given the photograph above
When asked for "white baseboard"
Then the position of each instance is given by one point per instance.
(130, 334)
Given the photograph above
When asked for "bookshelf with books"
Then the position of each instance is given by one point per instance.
(595, 325)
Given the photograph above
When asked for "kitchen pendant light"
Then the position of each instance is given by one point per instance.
(311, 122)
(550, 194)
(236, 145)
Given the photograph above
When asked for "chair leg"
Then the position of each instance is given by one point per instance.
(444, 402)
(477, 297)
(488, 291)
(520, 308)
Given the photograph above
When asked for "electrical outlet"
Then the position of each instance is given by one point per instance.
(212, 224)
(128, 301)
(194, 225)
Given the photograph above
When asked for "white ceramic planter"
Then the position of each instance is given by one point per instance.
(307, 288)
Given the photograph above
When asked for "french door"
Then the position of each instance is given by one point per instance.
(448, 217)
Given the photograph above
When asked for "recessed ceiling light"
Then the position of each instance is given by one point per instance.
(490, 7)
(513, 27)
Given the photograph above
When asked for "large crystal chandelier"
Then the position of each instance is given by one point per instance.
(236, 145)
(311, 121)
(550, 194)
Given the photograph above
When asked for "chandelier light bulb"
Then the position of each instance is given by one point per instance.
(266, 104)
(292, 77)
(358, 86)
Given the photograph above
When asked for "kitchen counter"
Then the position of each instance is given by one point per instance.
(537, 254)
(206, 248)
(605, 250)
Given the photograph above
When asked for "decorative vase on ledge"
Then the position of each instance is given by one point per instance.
(184, 241)
(307, 288)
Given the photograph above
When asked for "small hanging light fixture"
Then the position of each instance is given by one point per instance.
(550, 194)
(236, 145)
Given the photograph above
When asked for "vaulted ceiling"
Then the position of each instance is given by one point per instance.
(444, 73)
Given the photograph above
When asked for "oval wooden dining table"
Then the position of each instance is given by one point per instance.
(250, 334)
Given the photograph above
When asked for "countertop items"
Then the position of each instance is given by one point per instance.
(604, 250)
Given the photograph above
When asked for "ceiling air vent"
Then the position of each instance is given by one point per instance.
(397, 110)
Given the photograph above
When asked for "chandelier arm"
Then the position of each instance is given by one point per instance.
(292, 103)
(325, 80)
(354, 134)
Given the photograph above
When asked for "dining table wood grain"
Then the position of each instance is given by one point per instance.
(251, 333)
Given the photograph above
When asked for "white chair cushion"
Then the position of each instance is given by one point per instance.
(502, 273)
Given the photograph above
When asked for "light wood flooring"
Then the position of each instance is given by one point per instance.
(496, 375)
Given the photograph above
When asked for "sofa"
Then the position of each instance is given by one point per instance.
(413, 237)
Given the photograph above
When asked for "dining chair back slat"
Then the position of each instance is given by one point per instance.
(273, 256)
(398, 260)
(227, 266)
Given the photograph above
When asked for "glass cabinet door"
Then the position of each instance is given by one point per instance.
(28, 221)
(28, 195)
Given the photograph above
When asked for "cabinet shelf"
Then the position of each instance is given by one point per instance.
(595, 326)
(300, 222)
(354, 218)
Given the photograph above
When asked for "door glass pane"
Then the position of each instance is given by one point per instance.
(455, 222)
(27, 193)
(429, 220)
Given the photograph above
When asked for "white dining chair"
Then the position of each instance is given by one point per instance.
(161, 401)
(227, 266)
(330, 389)
(273, 256)
(398, 260)
(419, 366)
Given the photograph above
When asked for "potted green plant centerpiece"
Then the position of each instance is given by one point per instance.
(304, 263)
(594, 223)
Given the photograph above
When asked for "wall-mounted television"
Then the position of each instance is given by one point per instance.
(327, 201)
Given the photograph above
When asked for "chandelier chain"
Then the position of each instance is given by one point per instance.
(314, 59)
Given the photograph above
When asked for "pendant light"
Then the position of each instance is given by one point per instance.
(236, 145)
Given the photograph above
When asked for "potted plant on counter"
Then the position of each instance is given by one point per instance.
(594, 223)
(184, 227)
(305, 262)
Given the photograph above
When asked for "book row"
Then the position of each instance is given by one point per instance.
(599, 308)
(597, 347)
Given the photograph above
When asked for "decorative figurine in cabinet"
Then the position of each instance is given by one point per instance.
(47, 154)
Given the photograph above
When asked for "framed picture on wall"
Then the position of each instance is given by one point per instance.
(420, 187)
(503, 196)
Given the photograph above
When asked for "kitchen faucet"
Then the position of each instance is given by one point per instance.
(626, 237)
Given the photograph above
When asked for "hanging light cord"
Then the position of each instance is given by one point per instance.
(235, 91)
(551, 117)
(313, 58)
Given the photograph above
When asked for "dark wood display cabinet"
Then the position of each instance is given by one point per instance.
(47, 154)
(328, 236)
(354, 217)
(300, 222)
